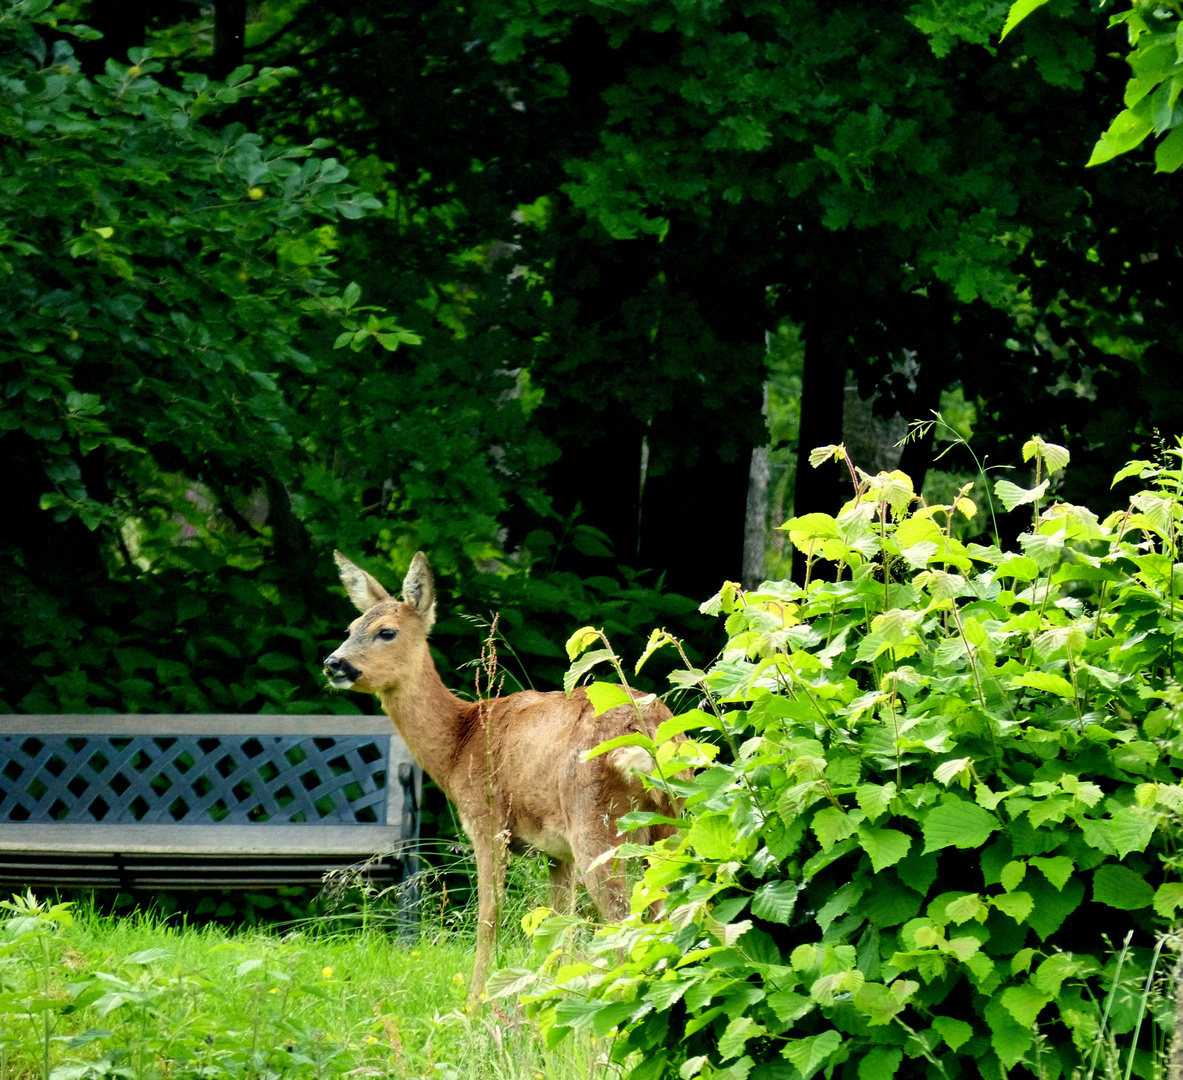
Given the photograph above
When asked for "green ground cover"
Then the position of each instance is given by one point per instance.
(85, 996)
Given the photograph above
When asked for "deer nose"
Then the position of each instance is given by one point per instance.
(338, 667)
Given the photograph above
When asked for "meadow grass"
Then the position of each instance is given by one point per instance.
(88, 996)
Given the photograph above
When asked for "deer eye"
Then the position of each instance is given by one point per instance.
(387, 635)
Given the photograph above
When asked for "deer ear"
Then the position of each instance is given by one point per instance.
(419, 589)
(363, 590)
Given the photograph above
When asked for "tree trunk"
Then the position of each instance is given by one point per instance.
(696, 510)
(291, 548)
(823, 388)
(871, 440)
(755, 539)
(229, 35)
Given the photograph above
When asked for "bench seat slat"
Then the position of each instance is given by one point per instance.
(202, 839)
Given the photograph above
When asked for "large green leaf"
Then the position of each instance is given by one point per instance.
(1120, 887)
(1168, 155)
(578, 1013)
(882, 1004)
(889, 903)
(958, 824)
(880, 1063)
(775, 901)
(1024, 1003)
(956, 1033)
(1047, 681)
(1128, 129)
(886, 847)
(832, 825)
(605, 696)
(1011, 495)
(1054, 970)
(736, 1036)
(1128, 830)
(1053, 456)
(874, 799)
(583, 665)
(1010, 1039)
(713, 836)
(810, 1054)
(1168, 899)
(1052, 906)
(1057, 869)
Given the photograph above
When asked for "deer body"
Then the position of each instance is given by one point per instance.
(510, 765)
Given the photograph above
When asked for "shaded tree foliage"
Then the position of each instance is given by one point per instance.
(186, 443)
(872, 173)
(917, 200)
(591, 218)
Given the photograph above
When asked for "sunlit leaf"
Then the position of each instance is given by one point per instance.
(1011, 495)
(1019, 10)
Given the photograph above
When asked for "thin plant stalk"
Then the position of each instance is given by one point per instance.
(1129, 1068)
(1125, 948)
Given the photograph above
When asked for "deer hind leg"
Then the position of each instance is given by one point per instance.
(605, 880)
(606, 883)
(562, 885)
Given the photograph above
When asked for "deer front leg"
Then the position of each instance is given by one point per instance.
(490, 876)
(490, 846)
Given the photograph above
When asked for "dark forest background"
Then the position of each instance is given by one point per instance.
(559, 293)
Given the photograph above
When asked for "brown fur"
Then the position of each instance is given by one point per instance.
(510, 765)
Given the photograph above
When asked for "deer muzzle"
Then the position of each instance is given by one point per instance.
(341, 673)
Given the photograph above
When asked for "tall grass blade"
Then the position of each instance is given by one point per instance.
(1129, 1068)
(1125, 948)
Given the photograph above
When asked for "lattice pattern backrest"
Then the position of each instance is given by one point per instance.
(194, 779)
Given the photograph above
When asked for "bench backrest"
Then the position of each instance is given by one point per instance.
(213, 784)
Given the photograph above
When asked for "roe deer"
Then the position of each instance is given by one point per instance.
(510, 765)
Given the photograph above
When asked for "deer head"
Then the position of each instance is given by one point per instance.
(387, 645)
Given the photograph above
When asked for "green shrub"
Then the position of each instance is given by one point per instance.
(939, 837)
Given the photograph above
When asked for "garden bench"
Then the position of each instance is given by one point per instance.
(193, 802)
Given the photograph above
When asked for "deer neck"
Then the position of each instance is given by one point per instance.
(429, 717)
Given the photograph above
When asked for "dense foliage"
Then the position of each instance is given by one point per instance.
(868, 173)
(938, 815)
(195, 411)
(623, 204)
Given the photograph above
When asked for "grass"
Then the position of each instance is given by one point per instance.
(86, 996)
